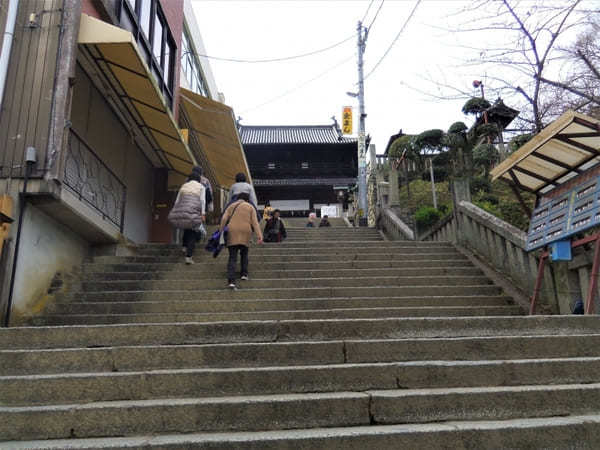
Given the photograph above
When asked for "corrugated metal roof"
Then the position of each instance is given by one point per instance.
(292, 134)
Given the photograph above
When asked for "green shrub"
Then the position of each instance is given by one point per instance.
(426, 216)
(482, 184)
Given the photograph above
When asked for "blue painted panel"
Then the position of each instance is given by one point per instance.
(573, 212)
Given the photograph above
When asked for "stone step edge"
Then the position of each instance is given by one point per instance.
(441, 309)
(318, 438)
(293, 397)
(316, 279)
(250, 289)
(309, 299)
(249, 343)
(400, 364)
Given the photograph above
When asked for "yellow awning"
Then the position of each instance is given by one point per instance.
(117, 54)
(215, 127)
(561, 151)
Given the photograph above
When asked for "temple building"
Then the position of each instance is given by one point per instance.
(300, 168)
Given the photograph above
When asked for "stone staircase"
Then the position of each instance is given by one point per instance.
(339, 340)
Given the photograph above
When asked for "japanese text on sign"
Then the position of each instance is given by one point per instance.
(347, 120)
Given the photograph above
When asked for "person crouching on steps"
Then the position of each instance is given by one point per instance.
(275, 229)
(240, 220)
(188, 213)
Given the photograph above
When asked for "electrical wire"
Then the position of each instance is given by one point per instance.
(299, 86)
(376, 14)
(412, 13)
(270, 60)
(367, 11)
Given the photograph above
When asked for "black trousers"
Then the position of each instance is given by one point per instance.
(233, 252)
(190, 237)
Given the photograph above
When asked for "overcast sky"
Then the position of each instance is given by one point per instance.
(283, 93)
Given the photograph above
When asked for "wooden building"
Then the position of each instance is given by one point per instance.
(300, 168)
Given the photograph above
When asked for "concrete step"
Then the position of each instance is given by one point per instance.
(307, 256)
(580, 431)
(127, 358)
(216, 271)
(319, 314)
(225, 305)
(180, 383)
(219, 264)
(278, 293)
(288, 331)
(284, 283)
(292, 411)
(155, 246)
(346, 247)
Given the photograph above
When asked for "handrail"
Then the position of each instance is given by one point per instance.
(87, 176)
(393, 225)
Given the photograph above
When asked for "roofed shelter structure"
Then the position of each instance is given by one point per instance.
(564, 149)
(299, 168)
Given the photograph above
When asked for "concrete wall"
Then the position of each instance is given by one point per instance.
(48, 250)
(94, 120)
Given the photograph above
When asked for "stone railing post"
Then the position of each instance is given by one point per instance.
(394, 194)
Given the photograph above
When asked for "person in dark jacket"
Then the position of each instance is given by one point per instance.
(275, 229)
(209, 203)
(324, 222)
(188, 213)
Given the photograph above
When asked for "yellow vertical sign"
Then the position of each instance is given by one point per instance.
(347, 120)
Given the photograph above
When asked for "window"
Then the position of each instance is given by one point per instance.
(145, 19)
(305, 165)
(157, 44)
(271, 165)
(145, 14)
(191, 66)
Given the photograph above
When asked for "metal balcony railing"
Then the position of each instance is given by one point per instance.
(93, 182)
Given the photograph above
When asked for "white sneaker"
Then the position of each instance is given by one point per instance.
(189, 260)
(232, 286)
(244, 277)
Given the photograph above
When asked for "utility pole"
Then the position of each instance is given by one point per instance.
(433, 194)
(362, 144)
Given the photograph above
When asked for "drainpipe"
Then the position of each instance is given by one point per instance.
(11, 20)
(30, 160)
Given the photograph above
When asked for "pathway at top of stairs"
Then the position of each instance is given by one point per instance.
(338, 340)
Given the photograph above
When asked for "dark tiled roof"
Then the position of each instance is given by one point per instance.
(292, 134)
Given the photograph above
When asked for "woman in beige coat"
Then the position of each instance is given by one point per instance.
(241, 216)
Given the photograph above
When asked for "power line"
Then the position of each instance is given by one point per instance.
(299, 86)
(376, 14)
(412, 13)
(367, 11)
(270, 60)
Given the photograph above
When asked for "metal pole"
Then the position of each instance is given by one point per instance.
(362, 164)
(589, 303)
(538, 283)
(432, 183)
(22, 204)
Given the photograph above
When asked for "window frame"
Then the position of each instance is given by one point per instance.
(165, 76)
(189, 59)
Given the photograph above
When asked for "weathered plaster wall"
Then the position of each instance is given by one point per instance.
(47, 248)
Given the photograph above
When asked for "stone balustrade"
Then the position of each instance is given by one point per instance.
(502, 246)
(393, 227)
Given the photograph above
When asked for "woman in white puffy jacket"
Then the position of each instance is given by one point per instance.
(188, 213)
